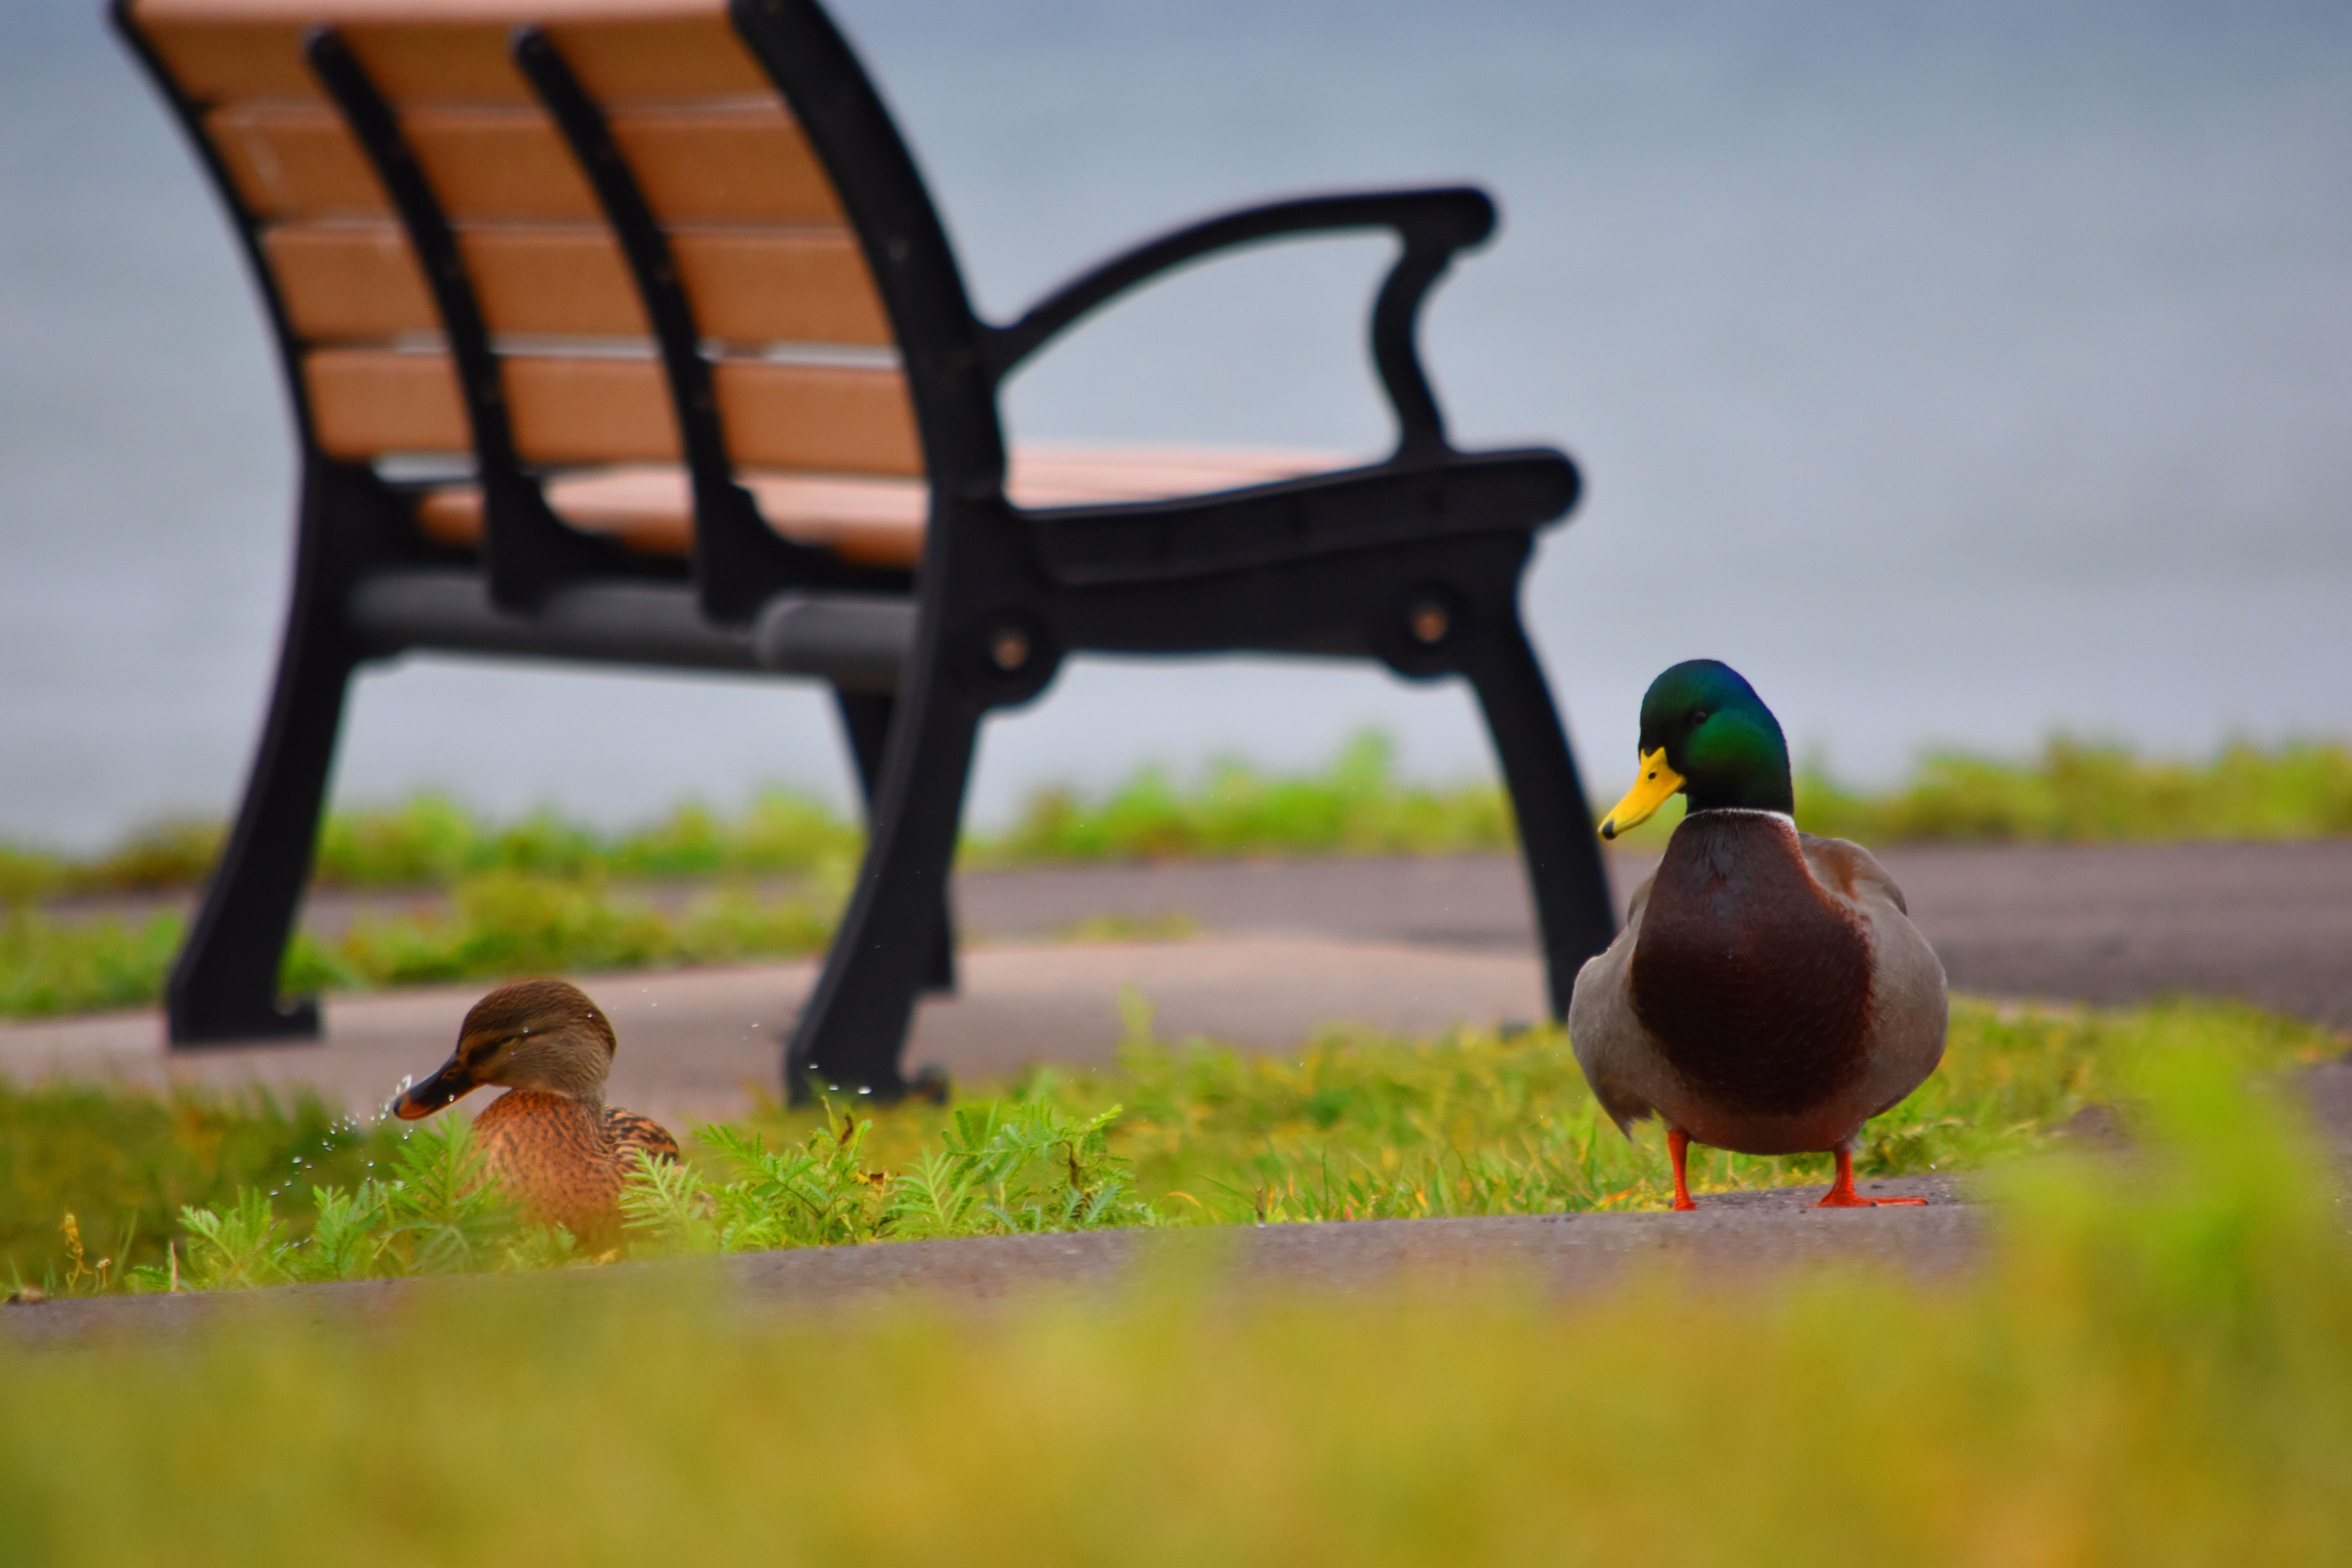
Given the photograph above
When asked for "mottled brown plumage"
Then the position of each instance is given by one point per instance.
(550, 1141)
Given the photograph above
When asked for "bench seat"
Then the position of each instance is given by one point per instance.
(866, 519)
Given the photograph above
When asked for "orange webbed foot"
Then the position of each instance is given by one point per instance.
(1842, 1194)
(1834, 1199)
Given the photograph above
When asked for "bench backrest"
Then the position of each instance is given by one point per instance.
(806, 374)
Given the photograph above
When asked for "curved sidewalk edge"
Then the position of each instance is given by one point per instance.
(1734, 1241)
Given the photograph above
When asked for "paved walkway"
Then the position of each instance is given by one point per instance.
(2112, 923)
(1730, 1244)
(1406, 945)
(694, 1044)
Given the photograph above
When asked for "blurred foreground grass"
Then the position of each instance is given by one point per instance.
(539, 895)
(2152, 1366)
(1352, 1126)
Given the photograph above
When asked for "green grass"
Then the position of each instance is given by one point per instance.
(1365, 1126)
(2078, 793)
(1355, 807)
(540, 894)
(495, 925)
(2075, 790)
(431, 840)
(1351, 1127)
(126, 1162)
(2152, 1367)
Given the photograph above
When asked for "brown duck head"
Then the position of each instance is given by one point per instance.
(543, 1034)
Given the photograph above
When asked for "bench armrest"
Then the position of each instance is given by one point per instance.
(1432, 223)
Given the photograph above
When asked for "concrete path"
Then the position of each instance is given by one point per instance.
(1731, 1243)
(696, 1045)
(2108, 923)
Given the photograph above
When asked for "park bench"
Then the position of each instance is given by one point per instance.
(625, 330)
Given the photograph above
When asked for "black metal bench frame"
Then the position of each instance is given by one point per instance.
(1413, 562)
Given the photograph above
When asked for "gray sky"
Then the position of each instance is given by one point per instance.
(1957, 377)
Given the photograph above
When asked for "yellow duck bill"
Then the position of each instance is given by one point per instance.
(1658, 784)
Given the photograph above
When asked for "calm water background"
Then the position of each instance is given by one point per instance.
(1958, 374)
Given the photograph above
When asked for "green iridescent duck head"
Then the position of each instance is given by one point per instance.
(1706, 735)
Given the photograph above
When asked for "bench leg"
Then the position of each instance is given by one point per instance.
(224, 985)
(866, 715)
(1556, 834)
(855, 1026)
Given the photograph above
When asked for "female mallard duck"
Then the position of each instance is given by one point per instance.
(1768, 993)
(549, 1141)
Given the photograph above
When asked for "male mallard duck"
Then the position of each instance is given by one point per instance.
(1768, 993)
(549, 1139)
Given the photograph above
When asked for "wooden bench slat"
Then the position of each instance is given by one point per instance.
(352, 283)
(828, 418)
(221, 59)
(751, 165)
(345, 283)
(359, 282)
(810, 287)
(216, 61)
(370, 402)
(737, 165)
(659, 59)
(872, 521)
(347, 13)
(295, 160)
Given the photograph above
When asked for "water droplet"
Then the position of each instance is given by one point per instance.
(383, 1111)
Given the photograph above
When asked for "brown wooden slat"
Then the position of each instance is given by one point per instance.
(499, 165)
(445, 63)
(217, 61)
(748, 166)
(229, 62)
(590, 411)
(620, 60)
(872, 521)
(223, 57)
(557, 282)
(367, 403)
(876, 522)
(360, 282)
(369, 13)
(349, 282)
(826, 418)
(642, 59)
(809, 288)
(741, 166)
(295, 161)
